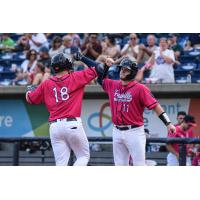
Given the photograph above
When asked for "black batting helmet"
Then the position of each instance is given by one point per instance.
(61, 62)
(131, 65)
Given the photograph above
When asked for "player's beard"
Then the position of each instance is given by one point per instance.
(125, 78)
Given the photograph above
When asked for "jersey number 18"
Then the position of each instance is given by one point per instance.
(63, 94)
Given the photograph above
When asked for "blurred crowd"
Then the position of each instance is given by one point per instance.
(162, 58)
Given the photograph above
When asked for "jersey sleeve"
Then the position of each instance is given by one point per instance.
(107, 84)
(81, 78)
(36, 96)
(195, 161)
(147, 98)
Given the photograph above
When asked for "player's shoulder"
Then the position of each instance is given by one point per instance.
(111, 80)
(88, 70)
(141, 86)
(110, 83)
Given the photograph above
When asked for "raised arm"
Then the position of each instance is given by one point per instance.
(100, 68)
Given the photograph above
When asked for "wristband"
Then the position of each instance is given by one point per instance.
(165, 119)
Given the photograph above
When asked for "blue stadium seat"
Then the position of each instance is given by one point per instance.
(18, 58)
(196, 76)
(119, 41)
(180, 75)
(15, 36)
(6, 56)
(7, 75)
(143, 41)
(125, 41)
(188, 59)
(182, 40)
(188, 66)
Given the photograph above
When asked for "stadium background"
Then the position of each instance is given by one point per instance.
(17, 118)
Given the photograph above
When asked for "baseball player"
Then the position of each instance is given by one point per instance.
(128, 98)
(196, 157)
(182, 131)
(62, 95)
(180, 117)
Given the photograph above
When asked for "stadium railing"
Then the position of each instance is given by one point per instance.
(15, 141)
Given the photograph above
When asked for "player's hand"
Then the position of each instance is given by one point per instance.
(177, 156)
(171, 128)
(109, 62)
(78, 55)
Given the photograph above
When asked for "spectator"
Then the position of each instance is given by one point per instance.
(47, 73)
(37, 40)
(131, 49)
(146, 52)
(110, 49)
(30, 63)
(196, 158)
(92, 46)
(188, 47)
(56, 46)
(76, 41)
(22, 44)
(27, 67)
(6, 41)
(182, 131)
(175, 46)
(68, 47)
(36, 77)
(44, 57)
(194, 38)
(164, 59)
(180, 117)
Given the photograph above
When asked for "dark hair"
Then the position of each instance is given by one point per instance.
(111, 39)
(189, 118)
(28, 55)
(55, 39)
(181, 113)
(41, 66)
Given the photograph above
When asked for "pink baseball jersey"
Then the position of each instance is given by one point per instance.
(180, 134)
(127, 103)
(63, 96)
(196, 160)
(190, 131)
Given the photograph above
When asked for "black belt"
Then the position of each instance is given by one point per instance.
(125, 128)
(64, 119)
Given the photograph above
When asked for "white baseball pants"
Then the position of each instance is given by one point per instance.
(173, 161)
(66, 136)
(130, 142)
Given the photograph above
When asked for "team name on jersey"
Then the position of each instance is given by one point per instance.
(124, 97)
